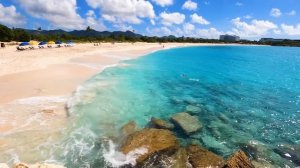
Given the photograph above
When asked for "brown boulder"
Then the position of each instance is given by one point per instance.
(201, 158)
(156, 141)
(239, 160)
(180, 159)
(161, 124)
(188, 123)
(21, 165)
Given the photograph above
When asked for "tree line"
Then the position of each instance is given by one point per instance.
(21, 35)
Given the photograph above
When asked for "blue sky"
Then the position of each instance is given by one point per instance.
(250, 19)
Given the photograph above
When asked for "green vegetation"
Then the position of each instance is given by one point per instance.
(90, 35)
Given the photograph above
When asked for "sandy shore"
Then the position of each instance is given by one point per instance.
(36, 84)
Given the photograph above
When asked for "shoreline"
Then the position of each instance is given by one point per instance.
(41, 77)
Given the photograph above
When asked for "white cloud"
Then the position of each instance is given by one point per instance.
(161, 31)
(91, 20)
(188, 28)
(277, 31)
(190, 5)
(123, 11)
(199, 19)
(123, 27)
(248, 17)
(168, 19)
(10, 17)
(254, 29)
(291, 13)
(291, 30)
(275, 12)
(211, 33)
(163, 3)
(239, 4)
(60, 13)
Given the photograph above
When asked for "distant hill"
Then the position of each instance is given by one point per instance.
(84, 33)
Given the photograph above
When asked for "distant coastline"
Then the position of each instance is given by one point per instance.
(91, 35)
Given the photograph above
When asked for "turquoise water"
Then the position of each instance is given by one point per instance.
(247, 95)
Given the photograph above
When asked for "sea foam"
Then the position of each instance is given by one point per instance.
(118, 159)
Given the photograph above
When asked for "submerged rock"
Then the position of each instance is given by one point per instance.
(189, 124)
(161, 124)
(156, 141)
(289, 152)
(200, 157)
(239, 160)
(261, 153)
(262, 164)
(193, 109)
(129, 128)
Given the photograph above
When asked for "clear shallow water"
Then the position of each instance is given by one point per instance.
(246, 95)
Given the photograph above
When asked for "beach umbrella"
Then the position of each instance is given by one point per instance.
(51, 42)
(33, 43)
(42, 43)
(24, 44)
(58, 42)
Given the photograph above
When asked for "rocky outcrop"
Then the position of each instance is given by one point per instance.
(180, 159)
(21, 165)
(200, 157)
(189, 124)
(239, 160)
(177, 160)
(161, 124)
(156, 141)
(129, 128)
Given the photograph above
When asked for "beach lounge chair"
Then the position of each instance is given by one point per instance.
(69, 44)
(23, 46)
(50, 43)
(42, 44)
(33, 45)
(59, 44)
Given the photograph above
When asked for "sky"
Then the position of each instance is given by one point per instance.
(249, 19)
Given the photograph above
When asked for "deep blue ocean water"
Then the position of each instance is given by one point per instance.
(242, 95)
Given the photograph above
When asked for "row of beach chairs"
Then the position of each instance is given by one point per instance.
(42, 45)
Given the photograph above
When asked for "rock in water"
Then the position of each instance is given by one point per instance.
(156, 141)
(161, 124)
(188, 123)
(180, 159)
(177, 160)
(239, 160)
(193, 109)
(129, 128)
(200, 157)
(289, 152)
